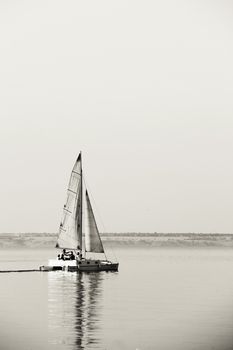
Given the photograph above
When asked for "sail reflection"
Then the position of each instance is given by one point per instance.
(74, 305)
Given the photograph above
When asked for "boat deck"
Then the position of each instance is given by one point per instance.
(80, 265)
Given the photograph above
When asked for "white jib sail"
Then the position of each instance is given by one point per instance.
(92, 238)
(70, 231)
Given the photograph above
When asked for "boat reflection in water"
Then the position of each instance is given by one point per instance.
(74, 305)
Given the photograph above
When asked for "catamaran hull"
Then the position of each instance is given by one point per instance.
(80, 266)
(93, 268)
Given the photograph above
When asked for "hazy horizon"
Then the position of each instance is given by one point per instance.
(144, 89)
(127, 233)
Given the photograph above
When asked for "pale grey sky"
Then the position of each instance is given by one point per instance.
(143, 88)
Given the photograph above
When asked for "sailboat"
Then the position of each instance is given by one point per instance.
(76, 245)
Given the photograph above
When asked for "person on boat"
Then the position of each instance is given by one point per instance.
(66, 255)
(79, 255)
(72, 257)
(63, 256)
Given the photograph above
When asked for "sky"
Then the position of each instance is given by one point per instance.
(143, 88)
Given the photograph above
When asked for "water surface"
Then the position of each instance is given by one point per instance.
(160, 299)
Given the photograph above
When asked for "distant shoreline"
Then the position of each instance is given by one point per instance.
(133, 239)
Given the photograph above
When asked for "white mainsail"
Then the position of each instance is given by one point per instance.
(92, 238)
(70, 231)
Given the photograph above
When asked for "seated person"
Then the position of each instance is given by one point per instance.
(63, 256)
(79, 255)
(72, 257)
(67, 255)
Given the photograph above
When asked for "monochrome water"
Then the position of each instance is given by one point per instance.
(160, 299)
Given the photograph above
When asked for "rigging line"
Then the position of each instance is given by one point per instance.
(93, 201)
(98, 213)
(83, 212)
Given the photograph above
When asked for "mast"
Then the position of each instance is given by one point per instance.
(81, 200)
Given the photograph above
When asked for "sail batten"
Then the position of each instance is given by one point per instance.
(93, 242)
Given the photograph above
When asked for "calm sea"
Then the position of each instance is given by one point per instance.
(160, 299)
